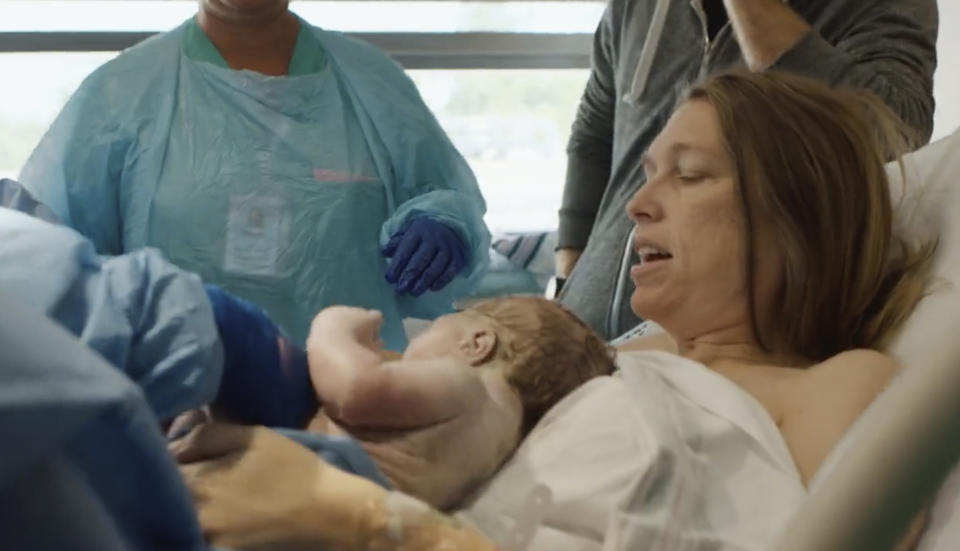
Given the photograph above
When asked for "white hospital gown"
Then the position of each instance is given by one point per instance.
(666, 455)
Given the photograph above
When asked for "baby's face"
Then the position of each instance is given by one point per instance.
(444, 336)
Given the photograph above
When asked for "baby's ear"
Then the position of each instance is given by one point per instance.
(478, 345)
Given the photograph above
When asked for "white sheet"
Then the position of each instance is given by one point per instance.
(664, 455)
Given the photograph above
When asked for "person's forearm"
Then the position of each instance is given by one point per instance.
(368, 518)
(894, 61)
(765, 30)
(588, 172)
(590, 149)
(306, 504)
(421, 528)
(353, 514)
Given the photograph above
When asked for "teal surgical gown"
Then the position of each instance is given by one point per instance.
(280, 189)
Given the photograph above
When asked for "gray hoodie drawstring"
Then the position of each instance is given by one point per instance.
(645, 65)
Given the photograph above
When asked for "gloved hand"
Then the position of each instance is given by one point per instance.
(425, 254)
(266, 380)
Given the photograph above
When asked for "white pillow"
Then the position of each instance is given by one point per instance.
(931, 207)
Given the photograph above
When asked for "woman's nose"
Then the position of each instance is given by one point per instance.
(642, 207)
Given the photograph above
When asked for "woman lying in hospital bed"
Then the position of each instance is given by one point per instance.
(765, 231)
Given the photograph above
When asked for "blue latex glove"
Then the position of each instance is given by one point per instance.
(266, 380)
(425, 254)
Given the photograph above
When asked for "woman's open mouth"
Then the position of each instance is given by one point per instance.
(650, 258)
(652, 254)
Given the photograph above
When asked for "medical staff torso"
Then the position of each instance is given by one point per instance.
(268, 188)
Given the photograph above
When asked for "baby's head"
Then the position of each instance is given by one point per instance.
(544, 350)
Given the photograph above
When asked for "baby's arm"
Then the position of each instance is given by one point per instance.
(357, 387)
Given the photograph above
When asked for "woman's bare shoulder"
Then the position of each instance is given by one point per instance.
(865, 369)
(844, 385)
(830, 396)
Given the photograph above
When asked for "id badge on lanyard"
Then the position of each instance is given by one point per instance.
(257, 231)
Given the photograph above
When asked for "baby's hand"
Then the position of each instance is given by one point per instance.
(362, 325)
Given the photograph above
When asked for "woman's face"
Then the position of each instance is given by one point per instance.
(690, 232)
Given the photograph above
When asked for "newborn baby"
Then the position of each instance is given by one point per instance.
(443, 417)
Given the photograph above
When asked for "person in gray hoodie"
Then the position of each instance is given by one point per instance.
(647, 51)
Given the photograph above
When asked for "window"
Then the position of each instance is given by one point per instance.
(512, 126)
(510, 123)
(36, 85)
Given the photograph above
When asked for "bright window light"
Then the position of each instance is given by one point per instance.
(351, 16)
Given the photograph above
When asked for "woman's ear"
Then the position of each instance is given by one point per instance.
(478, 345)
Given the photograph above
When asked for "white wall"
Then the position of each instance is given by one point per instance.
(946, 84)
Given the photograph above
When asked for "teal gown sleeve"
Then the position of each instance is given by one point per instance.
(140, 313)
(77, 167)
(423, 172)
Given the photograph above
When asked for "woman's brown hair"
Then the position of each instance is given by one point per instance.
(809, 163)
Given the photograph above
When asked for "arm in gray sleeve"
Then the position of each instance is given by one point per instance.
(889, 47)
(591, 142)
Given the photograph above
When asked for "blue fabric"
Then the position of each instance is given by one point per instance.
(259, 386)
(14, 196)
(86, 420)
(282, 190)
(342, 452)
(137, 311)
(85, 465)
(425, 254)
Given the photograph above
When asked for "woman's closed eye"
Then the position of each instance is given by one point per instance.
(690, 177)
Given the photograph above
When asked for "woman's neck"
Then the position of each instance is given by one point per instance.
(264, 44)
(734, 346)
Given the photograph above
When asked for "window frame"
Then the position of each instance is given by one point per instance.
(412, 50)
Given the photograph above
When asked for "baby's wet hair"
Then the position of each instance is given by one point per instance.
(550, 351)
